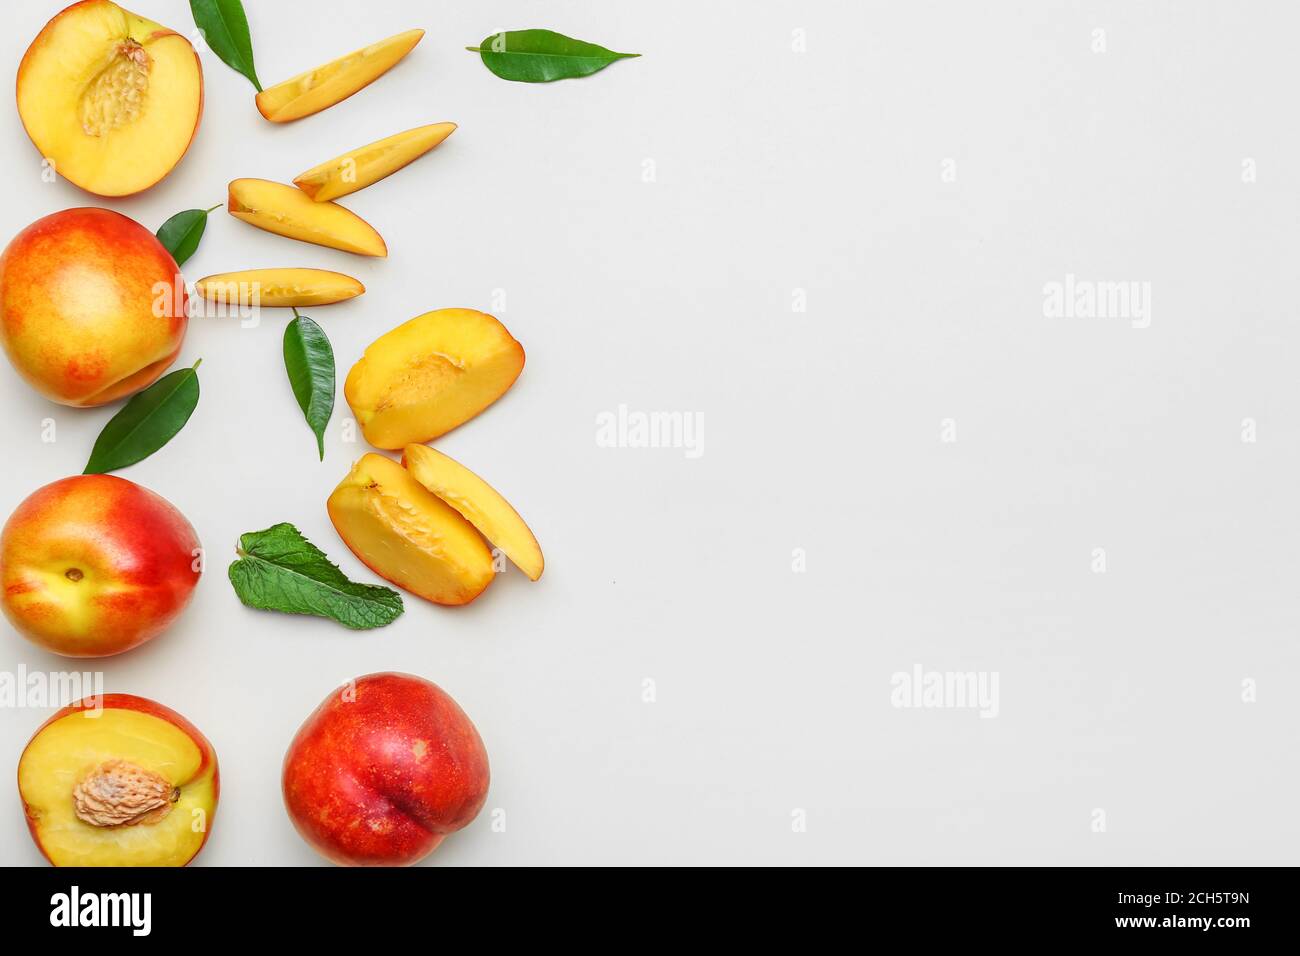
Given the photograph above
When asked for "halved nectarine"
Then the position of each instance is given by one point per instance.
(111, 98)
(362, 167)
(279, 287)
(478, 503)
(335, 81)
(119, 781)
(290, 212)
(407, 535)
(430, 374)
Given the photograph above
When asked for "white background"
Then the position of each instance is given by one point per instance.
(778, 169)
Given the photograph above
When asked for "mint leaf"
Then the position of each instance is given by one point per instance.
(280, 570)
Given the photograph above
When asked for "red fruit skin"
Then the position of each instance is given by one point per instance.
(135, 550)
(154, 709)
(92, 306)
(380, 779)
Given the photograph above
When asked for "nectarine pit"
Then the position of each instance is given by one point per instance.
(119, 793)
(116, 95)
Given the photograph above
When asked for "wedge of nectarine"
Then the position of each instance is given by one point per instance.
(316, 89)
(361, 167)
(112, 99)
(478, 503)
(407, 535)
(279, 287)
(290, 212)
(119, 781)
(430, 374)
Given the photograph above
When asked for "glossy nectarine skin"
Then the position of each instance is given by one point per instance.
(91, 306)
(206, 774)
(380, 779)
(95, 565)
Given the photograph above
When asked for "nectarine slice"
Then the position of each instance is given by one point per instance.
(125, 782)
(362, 167)
(429, 375)
(111, 98)
(279, 287)
(334, 82)
(478, 503)
(290, 212)
(407, 535)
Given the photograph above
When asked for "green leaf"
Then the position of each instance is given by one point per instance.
(225, 30)
(309, 360)
(147, 422)
(181, 233)
(280, 570)
(540, 56)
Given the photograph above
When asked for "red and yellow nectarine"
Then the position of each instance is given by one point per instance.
(95, 565)
(383, 770)
(92, 308)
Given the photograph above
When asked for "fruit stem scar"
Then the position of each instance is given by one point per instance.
(74, 574)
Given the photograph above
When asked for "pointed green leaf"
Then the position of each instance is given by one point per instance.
(280, 570)
(309, 360)
(181, 233)
(541, 56)
(225, 30)
(147, 422)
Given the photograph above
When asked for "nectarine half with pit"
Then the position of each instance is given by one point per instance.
(478, 503)
(95, 565)
(407, 535)
(290, 212)
(92, 307)
(430, 374)
(118, 781)
(112, 99)
(385, 768)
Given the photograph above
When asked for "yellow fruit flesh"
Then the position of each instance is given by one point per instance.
(290, 212)
(279, 287)
(362, 167)
(431, 374)
(66, 751)
(479, 503)
(111, 98)
(407, 535)
(316, 89)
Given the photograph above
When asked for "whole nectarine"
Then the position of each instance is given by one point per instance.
(118, 781)
(92, 307)
(94, 565)
(383, 770)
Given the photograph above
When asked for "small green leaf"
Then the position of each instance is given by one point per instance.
(280, 570)
(147, 422)
(309, 360)
(181, 233)
(225, 30)
(541, 56)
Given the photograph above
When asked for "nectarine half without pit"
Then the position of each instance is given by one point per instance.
(112, 99)
(92, 308)
(118, 781)
(430, 374)
(95, 565)
(383, 770)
